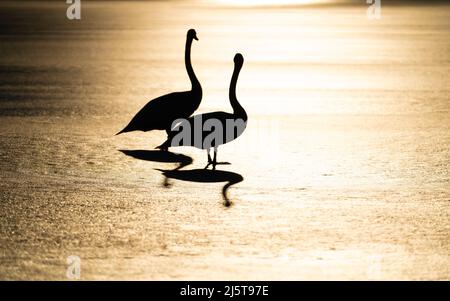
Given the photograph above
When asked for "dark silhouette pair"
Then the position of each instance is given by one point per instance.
(160, 113)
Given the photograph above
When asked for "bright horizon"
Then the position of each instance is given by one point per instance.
(341, 173)
(271, 2)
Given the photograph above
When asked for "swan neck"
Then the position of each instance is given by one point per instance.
(187, 58)
(238, 110)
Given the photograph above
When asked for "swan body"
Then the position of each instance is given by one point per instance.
(201, 124)
(159, 113)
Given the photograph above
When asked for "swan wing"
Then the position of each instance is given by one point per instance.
(159, 113)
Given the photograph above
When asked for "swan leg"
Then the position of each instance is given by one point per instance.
(166, 148)
(208, 150)
(209, 155)
(214, 161)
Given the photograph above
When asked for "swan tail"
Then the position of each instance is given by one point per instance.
(122, 131)
(125, 130)
(164, 146)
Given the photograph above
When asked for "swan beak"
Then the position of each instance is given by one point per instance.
(195, 38)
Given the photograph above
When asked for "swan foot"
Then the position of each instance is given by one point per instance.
(210, 161)
(220, 163)
(207, 165)
(216, 163)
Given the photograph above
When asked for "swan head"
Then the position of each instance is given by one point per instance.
(192, 34)
(239, 59)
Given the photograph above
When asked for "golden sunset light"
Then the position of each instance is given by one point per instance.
(224, 140)
(271, 2)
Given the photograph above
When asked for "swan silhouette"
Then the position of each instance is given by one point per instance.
(222, 119)
(159, 113)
